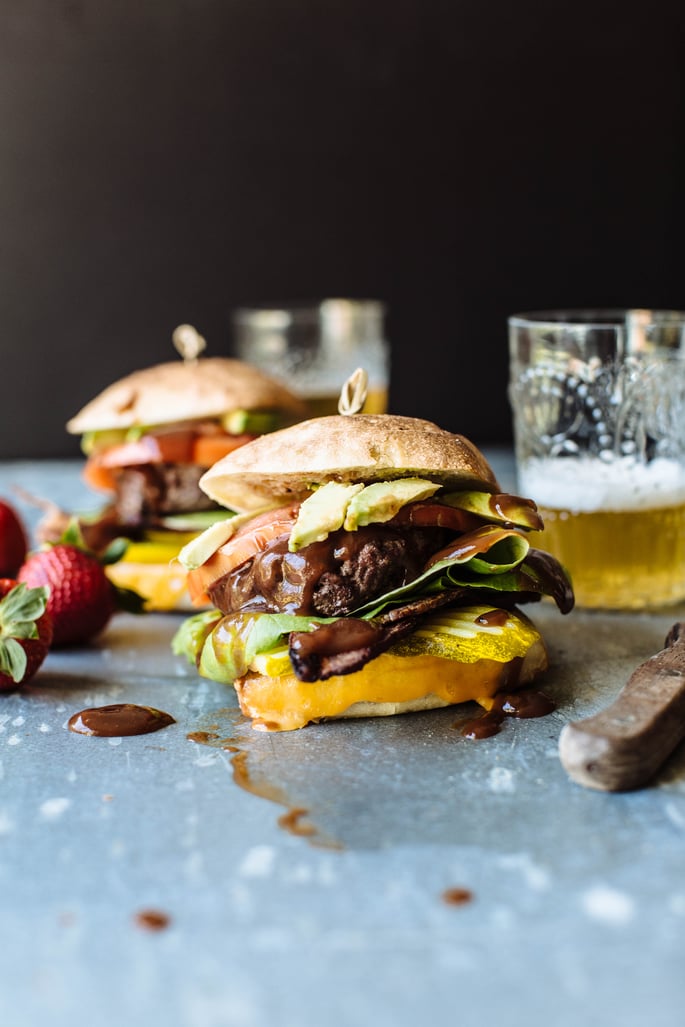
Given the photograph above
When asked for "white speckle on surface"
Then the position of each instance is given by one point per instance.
(207, 759)
(676, 814)
(534, 876)
(194, 867)
(300, 872)
(608, 905)
(501, 779)
(4, 717)
(676, 904)
(271, 939)
(18, 721)
(457, 960)
(502, 918)
(203, 1010)
(14, 740)
(258, 861)
(45, 728)
(51, 809)
(115, 741)
(6, 823)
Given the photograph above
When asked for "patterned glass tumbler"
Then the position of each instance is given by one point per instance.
(598, 404)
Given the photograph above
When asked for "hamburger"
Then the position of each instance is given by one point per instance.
(374, 567)
(149, 437)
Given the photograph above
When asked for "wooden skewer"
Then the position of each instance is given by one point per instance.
(623, 746)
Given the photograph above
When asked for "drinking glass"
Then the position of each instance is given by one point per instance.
(315, 348)
(598, 402)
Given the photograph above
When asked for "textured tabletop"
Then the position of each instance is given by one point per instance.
(384, 872)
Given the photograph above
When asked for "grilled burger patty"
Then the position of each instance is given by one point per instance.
(329, 578)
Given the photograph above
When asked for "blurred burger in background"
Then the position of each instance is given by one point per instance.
(148, 438)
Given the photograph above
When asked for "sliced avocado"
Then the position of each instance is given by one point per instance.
(205, 545)
(321, 513)
(93, 441)
(199, 550)
(499, 507)
(194, 521)
(254, 422)
(381, 501)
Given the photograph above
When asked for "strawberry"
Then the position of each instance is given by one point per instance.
(25, 631)
(13, 543)
(81, 600)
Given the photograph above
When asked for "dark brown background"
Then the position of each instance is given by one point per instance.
(168, 161)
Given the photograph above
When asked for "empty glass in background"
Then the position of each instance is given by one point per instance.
(598, 401)
(314, 349)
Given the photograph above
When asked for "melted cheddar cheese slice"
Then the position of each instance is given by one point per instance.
(448, 662)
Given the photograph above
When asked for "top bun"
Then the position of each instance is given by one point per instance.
(184, 391)
(285, 465)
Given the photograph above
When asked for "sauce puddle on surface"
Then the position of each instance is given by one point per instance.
(526, 703)
(119, 719)
(250, 775)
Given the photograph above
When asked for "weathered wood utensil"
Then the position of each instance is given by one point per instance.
(623, 746)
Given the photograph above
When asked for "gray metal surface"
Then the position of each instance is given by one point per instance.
(304, 874)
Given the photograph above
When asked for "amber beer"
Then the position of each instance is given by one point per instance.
(619, 531)
(320, 404)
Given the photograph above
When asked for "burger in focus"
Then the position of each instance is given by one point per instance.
(374, 567)
(148, 439)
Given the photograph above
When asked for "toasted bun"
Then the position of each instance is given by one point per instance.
(182, 391)
(384, 687)
(363, 447)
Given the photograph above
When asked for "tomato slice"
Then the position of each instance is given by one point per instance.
(173, 447)
(207, 449)
(250, 539)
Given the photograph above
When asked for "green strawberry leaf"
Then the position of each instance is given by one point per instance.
(114, 551)
(21, 606)
(13, 659)
(20, 629)
(72, 535)
(127, 600)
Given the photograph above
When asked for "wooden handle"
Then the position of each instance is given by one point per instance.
(623, 746)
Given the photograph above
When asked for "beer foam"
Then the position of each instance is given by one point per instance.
(583, 486)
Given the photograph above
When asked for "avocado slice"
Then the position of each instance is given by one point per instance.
(253, 422)
(381, 501)
(499, 507)
(321, 513)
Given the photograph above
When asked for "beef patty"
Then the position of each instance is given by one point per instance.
(150, 491)
(329, 578)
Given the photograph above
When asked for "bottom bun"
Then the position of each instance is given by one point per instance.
(162, 585)
(388, 685)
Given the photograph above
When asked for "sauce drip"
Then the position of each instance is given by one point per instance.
(119, 719)
(457, 896)
(152, 919)
(526, 703)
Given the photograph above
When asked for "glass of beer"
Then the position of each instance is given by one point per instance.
(314, 348)
(598, 402)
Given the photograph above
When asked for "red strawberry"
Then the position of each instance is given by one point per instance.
(82, 598)
(25, 632)
(13, 544)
